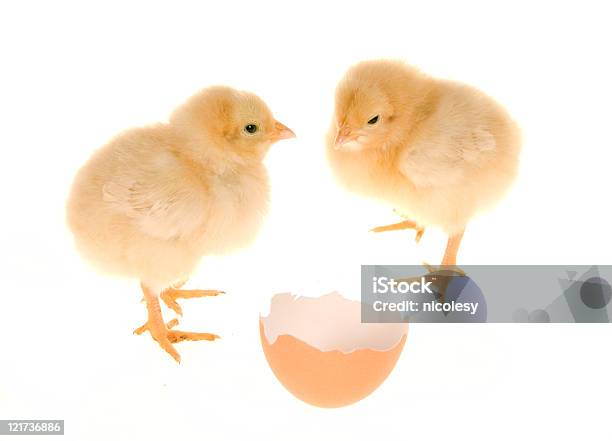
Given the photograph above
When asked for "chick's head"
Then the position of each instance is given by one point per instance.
(236, 122)
(376, 102)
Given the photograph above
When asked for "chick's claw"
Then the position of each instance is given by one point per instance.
(419, 234)
(170, 295)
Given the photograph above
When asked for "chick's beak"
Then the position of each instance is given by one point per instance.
(281, 131)
(342, 136)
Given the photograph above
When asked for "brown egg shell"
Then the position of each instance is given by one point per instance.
(328, 378)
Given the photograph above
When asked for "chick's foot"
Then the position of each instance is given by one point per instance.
(162, 332)
(171, 324)
(404, 225)
(441, 276)
(170, 295)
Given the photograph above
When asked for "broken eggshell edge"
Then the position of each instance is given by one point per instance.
(309, 350)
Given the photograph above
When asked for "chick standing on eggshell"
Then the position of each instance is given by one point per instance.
(154, 200)
(436, 150)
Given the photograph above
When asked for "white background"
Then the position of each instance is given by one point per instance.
(72, 75)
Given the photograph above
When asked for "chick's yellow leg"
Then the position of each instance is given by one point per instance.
(163, 333)
(170, 295)
(452, 247)
(404, 225)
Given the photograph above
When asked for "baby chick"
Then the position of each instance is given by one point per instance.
(436, 150)
(154, 200)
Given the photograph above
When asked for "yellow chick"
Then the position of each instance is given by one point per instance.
(154, 200)
(437, 150)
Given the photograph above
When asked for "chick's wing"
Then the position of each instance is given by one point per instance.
(160, 199)
(446, 155)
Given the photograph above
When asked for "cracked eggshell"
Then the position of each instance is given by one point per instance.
(322, 353)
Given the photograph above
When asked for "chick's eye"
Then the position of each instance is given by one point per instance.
(373, 120)
(250, 128)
